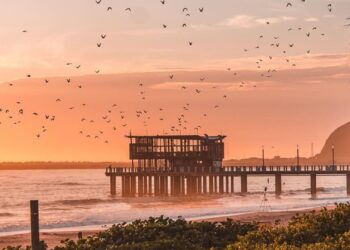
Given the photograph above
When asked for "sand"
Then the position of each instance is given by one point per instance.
(54, 238)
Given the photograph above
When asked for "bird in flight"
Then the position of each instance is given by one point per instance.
(330, 7)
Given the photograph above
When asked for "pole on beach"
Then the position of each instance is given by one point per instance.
(34, 219)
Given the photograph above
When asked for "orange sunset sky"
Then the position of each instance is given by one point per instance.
(257, 71)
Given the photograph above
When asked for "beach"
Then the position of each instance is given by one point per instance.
(54, 238)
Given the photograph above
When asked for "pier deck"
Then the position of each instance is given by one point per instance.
(137, 181)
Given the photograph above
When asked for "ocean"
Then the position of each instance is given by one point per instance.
(80, 199)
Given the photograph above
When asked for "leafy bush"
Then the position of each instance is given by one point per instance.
(163, 233)
(323, 230)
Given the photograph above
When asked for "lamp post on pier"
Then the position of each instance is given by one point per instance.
(333, 160)
(263, 156)
(298, 156)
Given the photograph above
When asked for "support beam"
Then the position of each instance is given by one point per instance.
(211, 184)
(199, 185)
(244, 183)
(113, 184)
(156, 185)
(172, 185)
(227, 190)
(348, 184)
(127, 186)
(204, 184)
(133, 186)
(150, 191)
(278, 184)
(140, 185)
(221, 184)
(177, 185)
(162, 185)
(123, 185)
(313, 184)
(145, 184)
(232, 184)
(166, 184)
(188, 186)
(183, 185)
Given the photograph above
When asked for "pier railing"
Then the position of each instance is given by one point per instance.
(293, 169)
(201, 180)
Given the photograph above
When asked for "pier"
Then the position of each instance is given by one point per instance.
(185, 181)
(192, 165)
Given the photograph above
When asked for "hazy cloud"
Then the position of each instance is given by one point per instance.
(247, 21)
(311, 19)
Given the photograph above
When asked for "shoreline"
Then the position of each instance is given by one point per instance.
(53, 237)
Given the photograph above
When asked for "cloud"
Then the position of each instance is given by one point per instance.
(311, 19)
(179, 84)
(246, 21)
(240, 21)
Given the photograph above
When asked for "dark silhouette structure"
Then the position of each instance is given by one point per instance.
(177, 151)
(192, 165)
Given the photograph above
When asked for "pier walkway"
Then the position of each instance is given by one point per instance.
(138, 181)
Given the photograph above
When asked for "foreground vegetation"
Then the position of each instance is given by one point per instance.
(327, 229)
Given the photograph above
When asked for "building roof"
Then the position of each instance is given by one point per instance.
(189, 137)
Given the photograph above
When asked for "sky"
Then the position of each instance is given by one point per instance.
(278, 84)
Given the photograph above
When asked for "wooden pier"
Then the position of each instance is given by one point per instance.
(192, 165)
(189, 181)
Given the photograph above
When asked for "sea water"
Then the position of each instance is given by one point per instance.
(80, 199)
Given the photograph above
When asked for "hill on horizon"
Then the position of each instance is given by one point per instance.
(340, 139)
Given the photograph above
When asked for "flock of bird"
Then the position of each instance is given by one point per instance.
(182, 124)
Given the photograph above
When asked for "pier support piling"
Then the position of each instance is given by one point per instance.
(162, 185)
(140, 185)
(199, 185)
(232, 184)
(150, 192)
(113, 184)
(227, 190)
(204, 184)
(278, 184)
(244, 183)
(313, 185)
(133, 186)
(156, 185)
(145, 184)
(127, 185)
(221, 184)
(211, 184)
(177, 185)
(348, 184)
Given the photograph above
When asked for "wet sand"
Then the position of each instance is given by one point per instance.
(54, 238)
